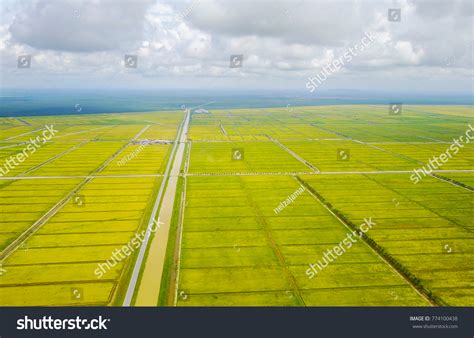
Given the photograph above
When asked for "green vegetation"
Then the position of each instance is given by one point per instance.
(90, 189)
(237, 251)
(57, 264)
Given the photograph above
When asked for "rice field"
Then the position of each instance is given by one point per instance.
(236, 250)
(429, 229)
(97, 184)
(263, 195)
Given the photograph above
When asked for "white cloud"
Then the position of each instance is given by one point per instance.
(288, 40)
(80, 26)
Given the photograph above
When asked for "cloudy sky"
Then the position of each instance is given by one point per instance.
(188, 44)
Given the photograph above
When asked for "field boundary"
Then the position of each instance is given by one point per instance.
(295, 155)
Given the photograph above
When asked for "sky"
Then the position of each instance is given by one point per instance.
(184, 45)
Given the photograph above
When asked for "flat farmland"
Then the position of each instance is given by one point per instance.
(218, 157)
(375, 123)
(254, 198)
(43, 155)
(23, 202)
(140, 159)
(423, 153)
(75, 201)
(245, 125)
(237, 251)
(81, 161)
(64, 254)
(427, 227)
(343, 155)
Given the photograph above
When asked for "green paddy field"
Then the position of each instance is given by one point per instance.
(91, 188)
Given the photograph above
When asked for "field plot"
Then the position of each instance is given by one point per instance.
(41, 156)
(83, 133)
(251, 125)
(207, 127)
(237, 251)
(13, 130)
(160, 132)
(464, 159)
(376, 123)
(219, 157)
(65, 253)
(139, 159)
(81, 161)
(428, 227)
(23, 202)
(342, 155)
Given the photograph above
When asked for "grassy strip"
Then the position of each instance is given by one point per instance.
(167, 284)
(166, 296)
(402, 270)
